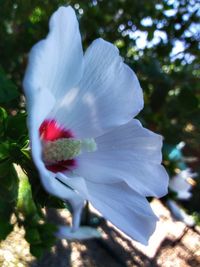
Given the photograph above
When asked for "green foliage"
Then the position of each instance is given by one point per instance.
(39, 234)
(169, 81)
(8, 90)
(25, 202)
(8, 195)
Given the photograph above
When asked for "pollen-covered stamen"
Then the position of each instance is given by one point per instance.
(61, 149)
(66, 149)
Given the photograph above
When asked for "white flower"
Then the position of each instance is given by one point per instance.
(82, 233)
(182, 183)
(83, 105)
(180, 214)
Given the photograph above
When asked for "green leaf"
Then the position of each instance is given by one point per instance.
(5, 210)
(16, 126)
(8, 181)
(188, 100)
(47, 232)
(8, 91)
(4, 150)
(150, 35)
(26, 149)
(4, 168)
(5, 229)
(32, 235)
(3, 117)
(3, 114)
(36, 250)
(25, 202)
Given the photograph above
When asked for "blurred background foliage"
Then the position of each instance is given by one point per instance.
(158, 39)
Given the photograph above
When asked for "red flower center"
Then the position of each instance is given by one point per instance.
(50, 130)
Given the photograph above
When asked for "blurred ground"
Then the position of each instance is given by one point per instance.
(172, 245)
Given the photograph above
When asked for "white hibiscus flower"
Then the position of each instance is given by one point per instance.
(182, 184)
(82, 133)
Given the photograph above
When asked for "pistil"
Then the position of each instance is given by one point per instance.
(66, 149)
(60, 150)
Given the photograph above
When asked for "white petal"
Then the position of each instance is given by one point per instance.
(55, 63)
(184, 195)
(132, 138)
(180, 214)
(130, 153)
(125, 208)
(108, 94)
(84, 232)
(179, 183)
(76, 182)
(38, 106)
(54, 187)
